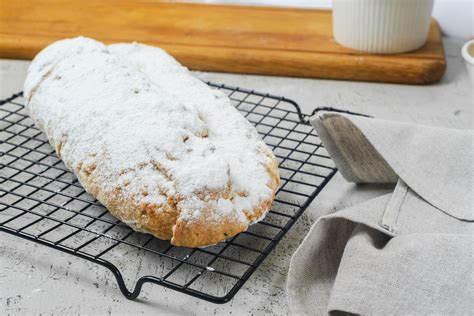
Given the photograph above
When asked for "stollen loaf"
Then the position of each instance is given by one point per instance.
(161, 150)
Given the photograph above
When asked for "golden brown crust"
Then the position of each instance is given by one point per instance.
(203, 233)
(163, 221)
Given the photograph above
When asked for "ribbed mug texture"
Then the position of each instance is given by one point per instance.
(382, 26)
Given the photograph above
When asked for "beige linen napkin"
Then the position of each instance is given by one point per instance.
(408, 252)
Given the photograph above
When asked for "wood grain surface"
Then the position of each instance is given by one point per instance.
(223, 38)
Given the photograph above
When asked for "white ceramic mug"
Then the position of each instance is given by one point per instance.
(382, 26)
(468, 55)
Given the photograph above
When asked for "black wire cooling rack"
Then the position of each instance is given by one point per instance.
(40, 200)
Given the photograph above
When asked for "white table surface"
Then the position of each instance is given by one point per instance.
(36, 279)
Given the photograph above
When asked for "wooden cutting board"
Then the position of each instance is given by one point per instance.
(241, 39)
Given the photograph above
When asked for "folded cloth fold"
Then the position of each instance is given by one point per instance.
(403, 253)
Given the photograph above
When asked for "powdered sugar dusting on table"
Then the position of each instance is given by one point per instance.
(137, 120)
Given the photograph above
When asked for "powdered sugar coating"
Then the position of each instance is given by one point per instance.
(48, 57)
(135, 121)
(234, 138)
